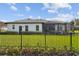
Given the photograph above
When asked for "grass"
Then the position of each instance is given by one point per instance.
(58, 41)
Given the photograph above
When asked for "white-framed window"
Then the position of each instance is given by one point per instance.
(13, 26)
(20, 28)
(37, 27)
(26, 28)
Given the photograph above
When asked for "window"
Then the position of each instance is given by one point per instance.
(13, 27)
(26, 28)
(37, 27)
(52, 27)
(20, 28)
(59, 27)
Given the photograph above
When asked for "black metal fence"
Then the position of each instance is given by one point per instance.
(70, 40)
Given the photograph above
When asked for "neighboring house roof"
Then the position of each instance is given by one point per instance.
(25, 21)
(75, 22)
(2, 24)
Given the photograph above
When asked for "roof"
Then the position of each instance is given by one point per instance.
(2, 24)
(24, 21)
(32, 21)
(55, 22)
(77, 21)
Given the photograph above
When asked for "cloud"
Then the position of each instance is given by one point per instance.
(46, 5)
(52, 11)
(30, 16)
(27, 8)
(21, 15)
(13, 8)
(55, 19)
(53, 7)
(63, 5)
(62, 17)
(50, 8)
(39, 17)
(2, 20)
(65, 15)
(77, 13)
(11, 3)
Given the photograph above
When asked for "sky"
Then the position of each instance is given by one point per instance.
(48, 11)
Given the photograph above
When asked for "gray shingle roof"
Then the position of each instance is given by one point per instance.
(31, 20)
(34, 21)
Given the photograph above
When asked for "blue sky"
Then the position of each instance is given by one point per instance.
(48, 11)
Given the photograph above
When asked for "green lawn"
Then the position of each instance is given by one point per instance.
(57, 41)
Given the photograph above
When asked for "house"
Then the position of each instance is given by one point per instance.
(38, 25)
(2, 26)
(75, 24)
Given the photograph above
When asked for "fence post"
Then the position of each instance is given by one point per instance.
(20, 39)
(70, 40)
(45, 42)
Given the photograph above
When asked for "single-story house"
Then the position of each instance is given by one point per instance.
(38, 25)
(75, 24)
(2, 26)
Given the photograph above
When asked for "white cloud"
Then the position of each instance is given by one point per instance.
(52, 11)
(77, 13)
(53, 7)
(46, 5)
(62, 17)
(21, 15)
(30, 16)
(11, 3)
(63, 5)
(27, 8)
(13, 8)
(55, 19)
(39, 17)
(65, 15)
(49, 7)
(3, 20)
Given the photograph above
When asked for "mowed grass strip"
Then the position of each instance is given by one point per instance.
(58, 41)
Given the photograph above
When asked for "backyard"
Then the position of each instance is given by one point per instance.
(57, 41)
(33, 45)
